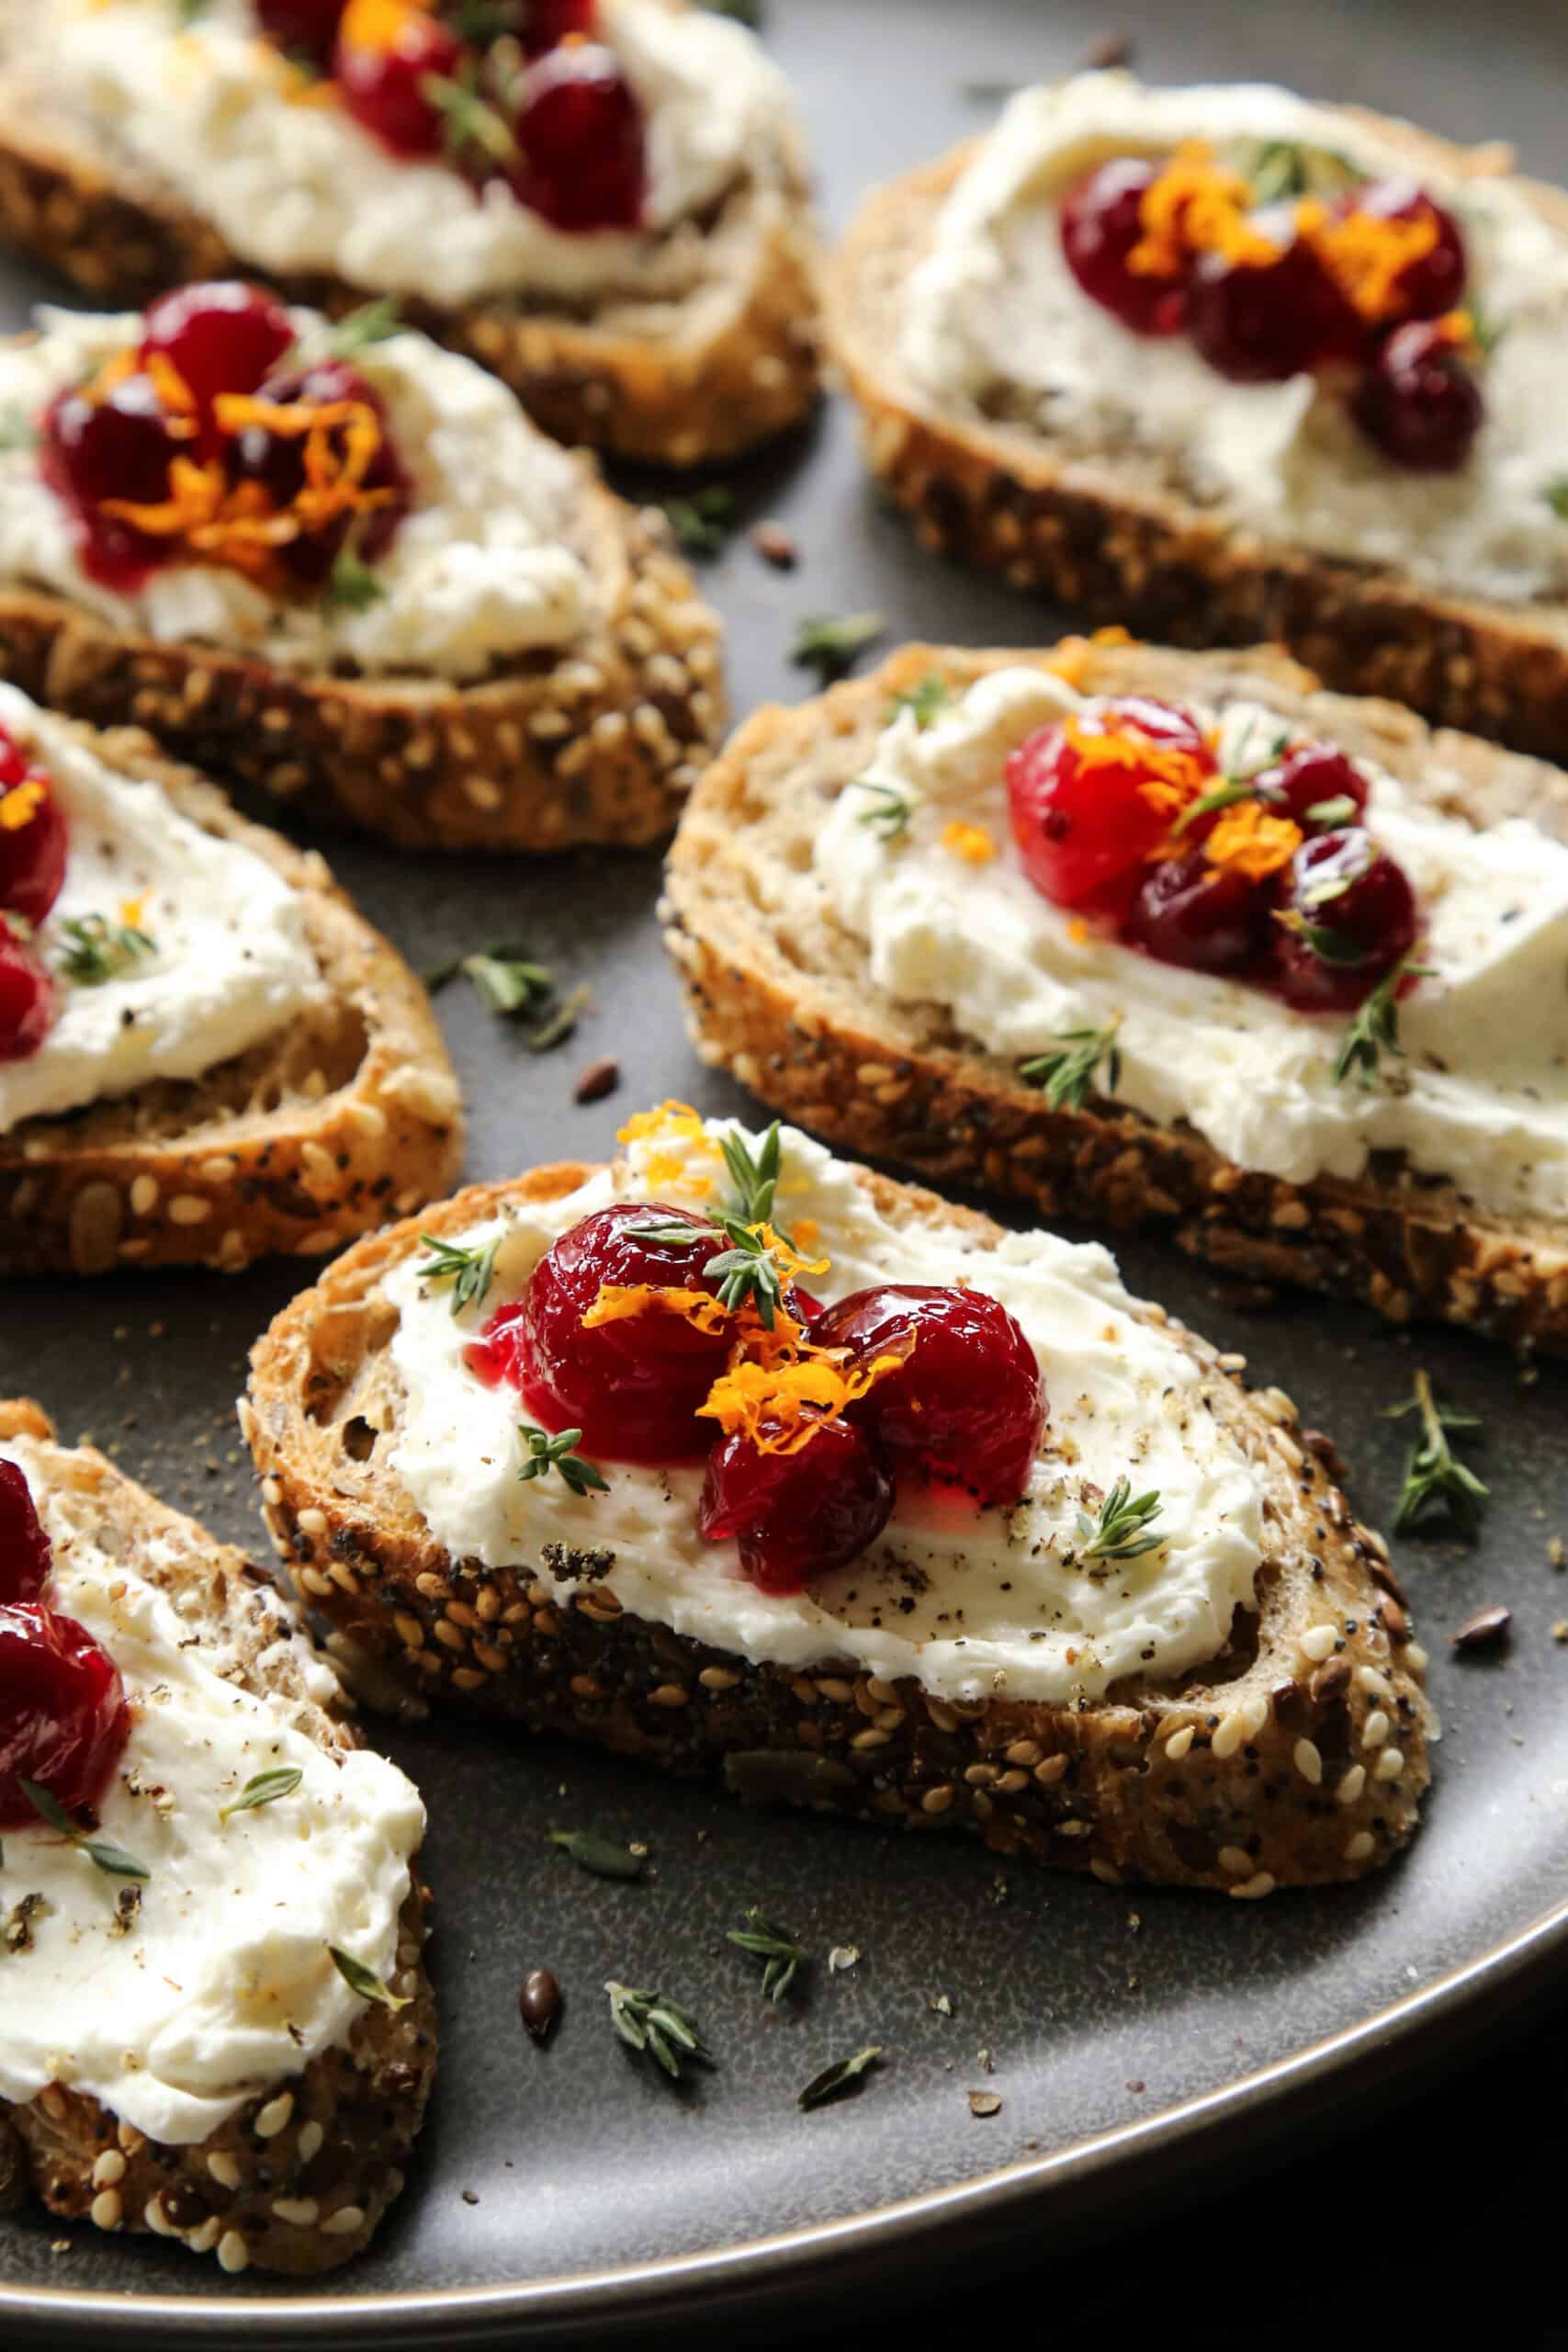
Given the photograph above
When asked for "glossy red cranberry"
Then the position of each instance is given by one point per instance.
(25, 1550)
(1205, 918)
(121, 446)
(632, 1387)
(550, 21)
(1418, 401)
(796, 1516)
(1359, 902)
(63, 1719)
(306, 28)
(1084, 827)
(1314, 777)
(579, 128)
(33, 852)
(27, 997)
(383, 67)
(1258, 322)
(968, 1406)
(222, 337)
(1102, 222)
(277, 461)
(1426, 288)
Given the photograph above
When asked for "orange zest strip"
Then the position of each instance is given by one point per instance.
(1251, 841)
(780, 1406)
(671, 1118)
(1195, 206)
(20, 804)
(1364, 254)
(617, 1301)
(1168, 777)
(971, 843)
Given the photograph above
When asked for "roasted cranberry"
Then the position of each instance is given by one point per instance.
(1205, 918)
(63, 1719)
(223, 337)
(1084, 826)
(1314, 775)
(35, 840)
(550, 21)
(1355, 916)
(306, 28)
(968, 1404)
(27, 997)
(121, 446)
(1102, 222)
(1418, 401)
(385, 57)
(277, 461)
(1258, 321)
(796, 1515)
(580, 131)
(24, 1549)
(1426, 288)
(634, 1386)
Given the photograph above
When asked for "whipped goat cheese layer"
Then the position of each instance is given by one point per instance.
(229, 962)
(475, 572)
(974, 1605)
(1480, 1096)
(219, 1980)
(217, 113)
(993, 313)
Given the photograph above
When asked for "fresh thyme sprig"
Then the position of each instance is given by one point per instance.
(890, 810)
(1433, 1476)
(468, 122)
(838, 2077)
(509, 984)
(364, 1981)
(111, 1859)
(1064, 1077)
(1373, 1030)
(774, 1947)
(264, 1787)
(99, 950)
(703, 522)
(470, 1270)
(650, 2022)
(831, 646)
(750, 1268)
(546, 1454)
(927, 700)
(754, 1176)
(1239, 781)
(1122, 1529)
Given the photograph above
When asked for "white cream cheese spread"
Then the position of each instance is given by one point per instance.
(475, 572)
(974, 1605)
(229, 962)
(994, 307)
(1480, 1096)
(219, 1980)
(215, 112)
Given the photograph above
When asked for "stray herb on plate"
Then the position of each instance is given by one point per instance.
(838, 2076)
(702, 522)
(650, 2022)
(601, 1856)
(1434, 1476)
(831, 647)
(774, 1947)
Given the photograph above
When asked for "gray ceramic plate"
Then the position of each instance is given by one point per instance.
(1132, 2037)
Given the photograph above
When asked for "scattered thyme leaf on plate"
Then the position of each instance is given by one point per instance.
(652, 2022)
(773, 1946)
(1435, 1478)
(838, 2076)
(601, 1856)
(831, 646)
(702, 521)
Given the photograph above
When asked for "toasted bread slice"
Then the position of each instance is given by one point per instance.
(308, 1138)
(732, 362)
(1253, 1770)
(299, 2177)
(796, 1016)
(1107, 537)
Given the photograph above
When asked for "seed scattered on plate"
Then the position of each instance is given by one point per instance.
(985, 2103)
(1482, 1629)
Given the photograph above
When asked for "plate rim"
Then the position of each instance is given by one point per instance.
(646, 2292)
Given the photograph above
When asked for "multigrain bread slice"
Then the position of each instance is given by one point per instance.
(1258, 1769)
(298, 2177)
(733, 362)
(598, 742)
(350, 1116)
(796, 1018)
(1119, 545)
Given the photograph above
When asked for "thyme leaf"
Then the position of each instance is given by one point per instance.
(927, 700)
(890, 812)
(1556, 496)
(104, 1856)
(99, 950)
(469, 124)
(470, 1271)
(364, 1981)
(1434, 1476)
(741, 12)
(773, 1946)
(838, 2076)
(703, 522)
(602, 1856)
(651, 2021)
(1340, 811)
(351, 585)
(353, 333)
(1373, 1030)
(831, 646)
(755, 1175)
(506, 982)
(1064, 1077)
(561, 1024)
(264, 1787)
(1122, 1530)
(546, 1454)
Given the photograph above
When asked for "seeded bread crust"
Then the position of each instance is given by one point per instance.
(598, 741)
(298, 2177)
(1118, 543)
(788, 1006)
(351, 1115)
(731, 363)
(1279, 1764)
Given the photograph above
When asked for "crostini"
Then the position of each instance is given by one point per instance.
(1227, 366)
(1163, 938)
(734, 1455)
(604, 201)
(218, 2025)
(207, 1055)
(339, 562)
